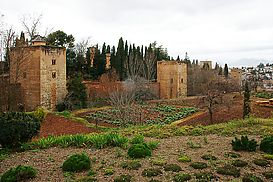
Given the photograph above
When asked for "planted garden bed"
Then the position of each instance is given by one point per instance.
(139, 114)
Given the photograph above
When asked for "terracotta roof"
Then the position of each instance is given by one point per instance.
(38, 38)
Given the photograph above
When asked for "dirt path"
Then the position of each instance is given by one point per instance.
(57, 125)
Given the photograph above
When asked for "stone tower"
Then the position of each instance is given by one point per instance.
(172, 79)
(41, 71)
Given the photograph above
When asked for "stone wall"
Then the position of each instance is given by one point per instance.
(172, 79)
(25, 70)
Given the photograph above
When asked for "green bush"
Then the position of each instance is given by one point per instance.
(251, 178)
(181, 177)
(268, 156)
(268, 174)
(267, 144)
(139, 151)
(265, 95)
(204, 176)
(209, 157)
(151, 172)
(17, 128)
(86, 179)
(77, 162)
(261, 162)
(244, 144)
(232, 155)
(20, 173)
(109, 171)
(239, 163)
(228, 170)
(184, 158)
(123, 178)
(198, 165)
(40, 113)
(172, 167)
(131, 165)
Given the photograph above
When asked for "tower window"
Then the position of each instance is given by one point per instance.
(181, 80)
(53, 74)
(53, 61)
(24, 75)
(171, 80)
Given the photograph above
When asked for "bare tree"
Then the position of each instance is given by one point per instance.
(31, 25)
(150, 60)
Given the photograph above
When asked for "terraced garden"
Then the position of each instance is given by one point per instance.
(140, 114)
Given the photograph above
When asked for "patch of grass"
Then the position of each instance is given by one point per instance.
(150, 172)
(204, 176)
(91, 140)
(123, 178)
(251, 178)
(172, 167)
(232, 155)
(109, 171)
(158, 161)
(193, 145)
(91, 172)
(268, 174)
(137, 139)
(228, 170)
(86, 179)
(184, 158)
(239, 163)
(4, 154)
(250, 126)
(181, 177)
(209, 157)
(153, 144)
(198, 165)
(131, 165)
(261, 162)
(118, 153)
(268, 156)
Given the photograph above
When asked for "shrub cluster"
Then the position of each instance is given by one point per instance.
(20, 173)
(181, 177)
(140, 150)
(17, 128)
(244, 144)
(150, 172)
(267, 144)
(77, 162)
(229, 170)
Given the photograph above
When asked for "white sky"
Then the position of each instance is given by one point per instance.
(237, 32)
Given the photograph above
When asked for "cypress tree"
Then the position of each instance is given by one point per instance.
(246, 108)
(226, 71)
(119, 60)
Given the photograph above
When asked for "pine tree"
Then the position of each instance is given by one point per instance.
(247, 109)
(226, 71)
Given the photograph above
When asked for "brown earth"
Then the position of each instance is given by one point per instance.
(48, 162)
(58, 125)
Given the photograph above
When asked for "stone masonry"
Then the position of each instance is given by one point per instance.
(172, 79)
(41, 71)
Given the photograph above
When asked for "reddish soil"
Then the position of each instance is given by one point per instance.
(223, 114)
(58, 125)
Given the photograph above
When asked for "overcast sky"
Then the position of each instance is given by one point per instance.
(237, 32)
